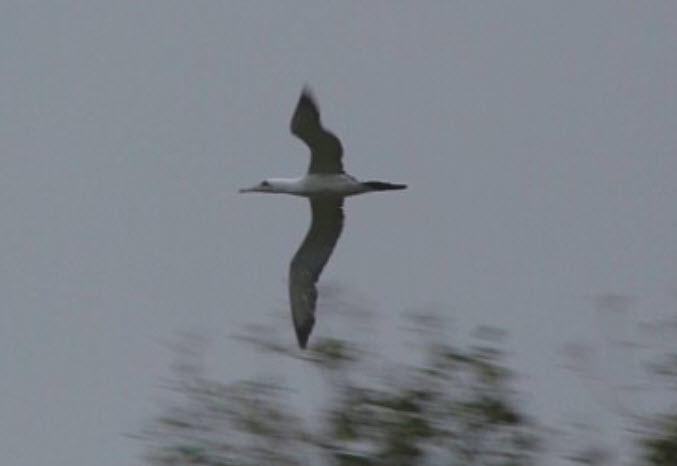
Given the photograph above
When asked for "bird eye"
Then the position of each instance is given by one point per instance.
(265, 183)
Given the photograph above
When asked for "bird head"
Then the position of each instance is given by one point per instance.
(264, 186)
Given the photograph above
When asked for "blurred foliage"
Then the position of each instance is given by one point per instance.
(658, 442)
(457, 408)
(660, 447)
(454, 406)
(659, 439)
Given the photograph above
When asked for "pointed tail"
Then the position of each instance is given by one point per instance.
(383, 186)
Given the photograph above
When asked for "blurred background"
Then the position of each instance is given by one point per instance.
(538, 142)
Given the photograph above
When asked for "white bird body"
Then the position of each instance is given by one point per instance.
(325, 185)
(315, 184)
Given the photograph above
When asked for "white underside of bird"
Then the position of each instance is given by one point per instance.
(315, 184)
(326, 185)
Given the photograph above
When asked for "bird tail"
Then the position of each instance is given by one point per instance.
(383, 186)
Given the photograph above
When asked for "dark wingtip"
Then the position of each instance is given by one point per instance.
(383, 186)
(303, 331)
(307, 93)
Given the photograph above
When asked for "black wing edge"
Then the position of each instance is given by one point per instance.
(305, 122)
(331, 228)
(303, 330)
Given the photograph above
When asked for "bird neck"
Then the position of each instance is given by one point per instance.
(285, 185)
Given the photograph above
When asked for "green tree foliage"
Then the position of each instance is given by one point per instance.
(659, 439)
(456, 408)
(660, 447)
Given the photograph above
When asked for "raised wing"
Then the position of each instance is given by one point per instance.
(309, 261)
(325, 148)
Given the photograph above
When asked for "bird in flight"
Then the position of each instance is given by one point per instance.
(325, 185)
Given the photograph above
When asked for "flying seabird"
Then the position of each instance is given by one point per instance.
(325, 185)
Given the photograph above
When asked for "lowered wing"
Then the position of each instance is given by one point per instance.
(310, 259)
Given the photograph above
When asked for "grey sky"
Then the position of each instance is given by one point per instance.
(538, 140)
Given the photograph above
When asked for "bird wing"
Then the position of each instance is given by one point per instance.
(325, 148)
(310, 259)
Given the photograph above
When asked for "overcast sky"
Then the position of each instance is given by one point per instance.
(537, 139)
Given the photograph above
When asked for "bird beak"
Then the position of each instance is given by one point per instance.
(247, 190)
